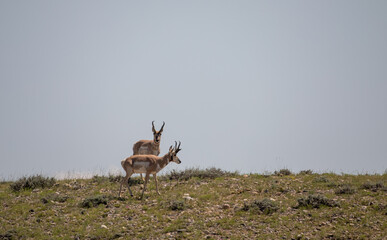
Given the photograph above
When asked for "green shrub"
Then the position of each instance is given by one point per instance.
(320, 179)
(373, 186)
(177, 205)
(116, 178)
(345, 189)
(333, 184)
(95, 201)
(32, 182)
(306, 172)
(315, 201)
(10, 234)
(265, 206)
(209, 173)
(283, 172)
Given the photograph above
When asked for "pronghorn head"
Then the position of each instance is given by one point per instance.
(157, 134)
(172, 153)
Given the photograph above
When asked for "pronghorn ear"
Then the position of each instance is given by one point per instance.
(170, 148)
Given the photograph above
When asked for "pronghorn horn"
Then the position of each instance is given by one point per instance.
(153, 126)
(178, 147)
(161, 129)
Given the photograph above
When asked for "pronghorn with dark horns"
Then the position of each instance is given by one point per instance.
(148, 164)
(149, 147)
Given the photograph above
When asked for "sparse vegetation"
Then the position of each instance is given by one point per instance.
(306, 172)
(95, 201)
(283, 172)
(316, 201)
(208, 173)
(375, 186)
(200, 204)
(265, 206)
(177, 205)
(33, 182)
(345, 189)
(321, 179)
(116, 179)
(55, 198)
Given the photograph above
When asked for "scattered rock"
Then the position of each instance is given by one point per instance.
(225, 206)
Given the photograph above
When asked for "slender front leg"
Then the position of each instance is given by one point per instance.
(127, 184)
(142, 178)
(145, 183)
(157, 188)
(125, 180)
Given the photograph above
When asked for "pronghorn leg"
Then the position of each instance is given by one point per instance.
(145, 183)
(127, 184)
(142, 178)
(125, 180)
(157, 188)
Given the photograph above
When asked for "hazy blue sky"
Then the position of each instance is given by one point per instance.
(245, 85)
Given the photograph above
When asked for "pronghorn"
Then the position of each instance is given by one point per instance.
(148, 164)
(149, 147)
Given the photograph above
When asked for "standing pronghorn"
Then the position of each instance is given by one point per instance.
(149, 147)
(148, 164)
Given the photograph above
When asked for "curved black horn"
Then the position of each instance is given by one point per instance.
(153, 126)
(178, 147)
(161, 129)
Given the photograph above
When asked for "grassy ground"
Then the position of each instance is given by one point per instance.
(198, 204)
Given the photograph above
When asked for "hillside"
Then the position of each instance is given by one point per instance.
(198, 204)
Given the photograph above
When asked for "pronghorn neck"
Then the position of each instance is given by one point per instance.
(165, 160)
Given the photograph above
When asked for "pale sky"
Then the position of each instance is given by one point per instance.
(252, 86)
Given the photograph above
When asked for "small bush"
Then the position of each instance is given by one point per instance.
(32, 182)
(115, 178)
(320, 179)
(99, 179)
(95, 201)
(283, 172)
(10, 234)
(315, 201)
(345, 189)
(189, 173)
(177, 205)
(306, 172)
(373, 186)
(333, 184)
(380, 208)
(265, 206)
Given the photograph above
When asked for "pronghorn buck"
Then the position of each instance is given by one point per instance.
(149, 147)
(148, 164)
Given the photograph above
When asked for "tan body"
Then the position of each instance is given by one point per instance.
(149, 147)
(148, 164)
(146, 147)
